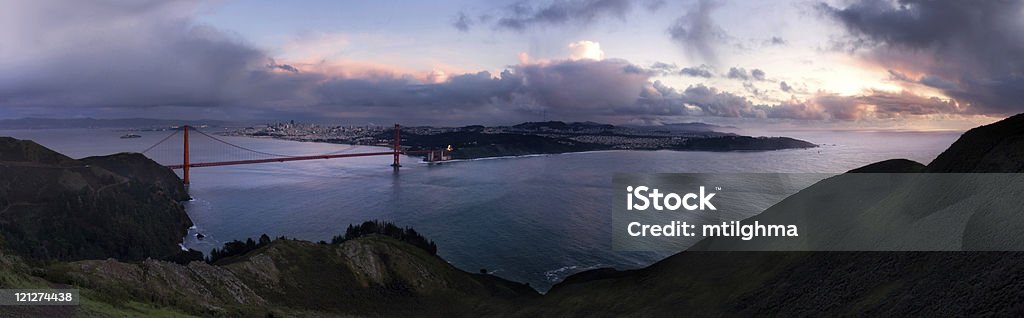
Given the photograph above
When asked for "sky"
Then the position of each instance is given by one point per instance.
(864, 64)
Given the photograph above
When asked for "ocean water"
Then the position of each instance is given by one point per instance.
(533, 219)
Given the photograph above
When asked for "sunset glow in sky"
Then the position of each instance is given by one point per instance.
(870, 63)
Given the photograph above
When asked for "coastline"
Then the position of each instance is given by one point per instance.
(510, 155)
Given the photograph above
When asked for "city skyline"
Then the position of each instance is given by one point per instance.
(872, 63)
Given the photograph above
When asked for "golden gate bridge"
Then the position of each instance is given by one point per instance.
(242, 155)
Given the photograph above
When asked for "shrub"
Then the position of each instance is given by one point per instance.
(389, 229)
(237, 247)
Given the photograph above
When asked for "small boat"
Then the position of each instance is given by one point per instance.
(129, 136)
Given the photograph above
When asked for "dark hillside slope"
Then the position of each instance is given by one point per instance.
(997, 147)
(368, 276)
(143, 170)
(54, 207)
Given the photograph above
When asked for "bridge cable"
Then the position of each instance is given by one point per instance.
(267, 153)
(161, 141)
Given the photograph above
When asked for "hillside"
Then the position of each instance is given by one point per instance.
(365, 276)
(997, 147)
(55, 207)
(800, 284)
(142, 171)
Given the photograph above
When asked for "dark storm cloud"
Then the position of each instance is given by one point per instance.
(699, 71)
(713, 102)
(111, 54)
(585, 85)
(698, 100)
(525, 14)
(971, 50)
(697, 33)
(144, 57)
(460, 92)
(588, 89)
(578, 88)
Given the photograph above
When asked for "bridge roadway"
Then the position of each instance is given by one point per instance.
(286, 159)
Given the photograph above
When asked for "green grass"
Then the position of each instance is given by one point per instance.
(91, 308)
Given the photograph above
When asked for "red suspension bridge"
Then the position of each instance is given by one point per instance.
(242, 155)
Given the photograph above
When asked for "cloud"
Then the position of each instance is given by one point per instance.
(968, 49)
(654, 5)
(713, 102)
(697, 33)
(740, 73)
(757, 74)
(775, 40)
(462, 22)
(700, 71)
(664, 68)
(737, 73)
(872, 104)
(523, 15)
(585, 50)
(141, 57)
(71, 56)
(463, 91)
(609, 89)
(583, 86)
(899, 76)
(701, 100)
(785, 87)
(284, 67)
(580, 88)
(121, 58)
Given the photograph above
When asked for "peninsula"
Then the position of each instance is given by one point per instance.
(551, 137)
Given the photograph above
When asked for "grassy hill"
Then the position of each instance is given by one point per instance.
(365, 276)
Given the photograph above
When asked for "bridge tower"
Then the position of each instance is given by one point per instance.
(185, 163)
(398, 146)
